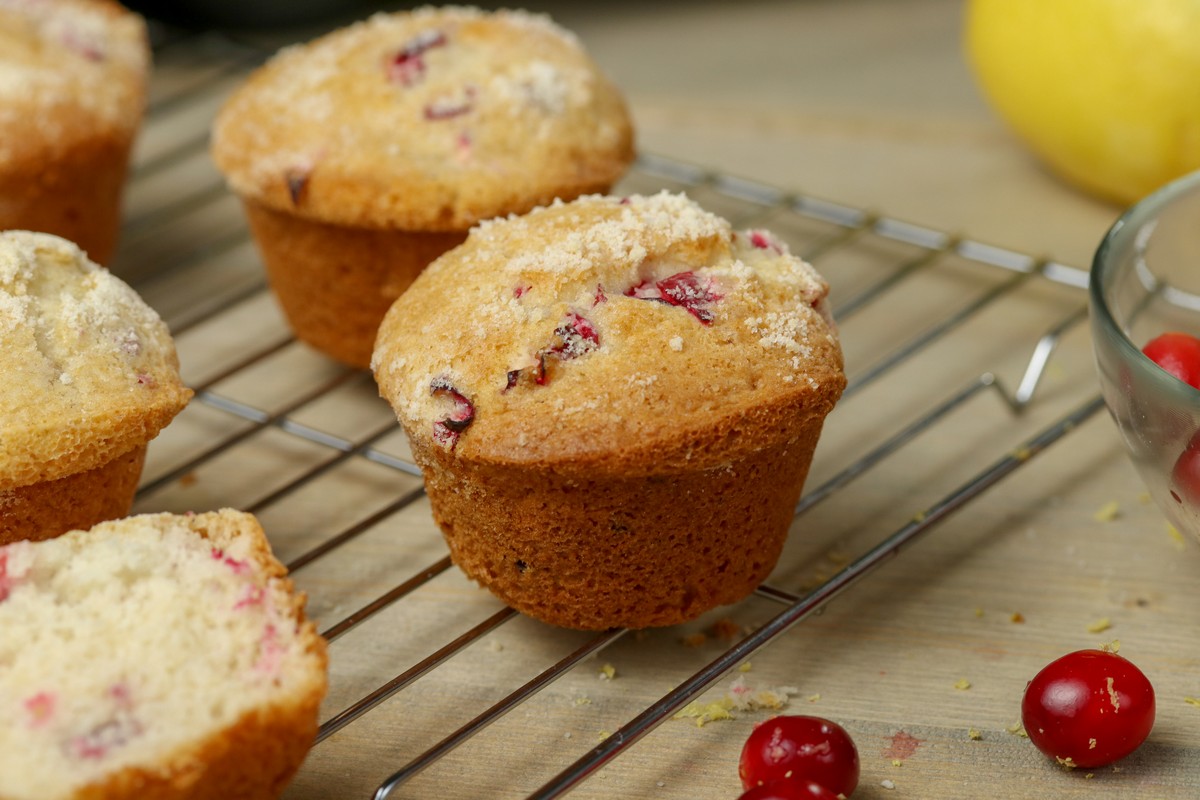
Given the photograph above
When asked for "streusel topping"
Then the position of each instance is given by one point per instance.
(603, 324)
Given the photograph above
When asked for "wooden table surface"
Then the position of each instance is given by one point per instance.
(863, 103)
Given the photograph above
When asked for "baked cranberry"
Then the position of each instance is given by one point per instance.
(683, 289)
(574, 336)
(297, 184)
(764, 240)
(462, 413)
(790, 789)
(39, 708)
(1088, 708)
(803, 748)
(408, 65)
(540, 375)
(536, 372)
(646, 290)
(1178, 354)
(105, 737)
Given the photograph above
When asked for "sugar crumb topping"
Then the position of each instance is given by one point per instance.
(305, 83)
(577, 307)
(620, 238)
(776, 329)
(73, 332)
(426, 99)
(87, 296)
(541, 85)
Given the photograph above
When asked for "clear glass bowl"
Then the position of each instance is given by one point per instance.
(1145, 281)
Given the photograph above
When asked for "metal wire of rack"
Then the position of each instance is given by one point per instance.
(187, 251)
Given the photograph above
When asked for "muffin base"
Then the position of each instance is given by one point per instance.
(51, 508)
(253, 759)
(615, 551)
(75, 194)
(335, 282)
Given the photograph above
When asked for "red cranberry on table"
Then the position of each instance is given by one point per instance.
(1088, 708)
(800, 748)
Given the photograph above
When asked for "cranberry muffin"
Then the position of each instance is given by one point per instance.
(615, 403)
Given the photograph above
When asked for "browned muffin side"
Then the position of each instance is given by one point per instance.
(615, 403)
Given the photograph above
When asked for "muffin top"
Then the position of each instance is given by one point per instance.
(610, 333)
(69, 70)
(90, 370)
(427, 120)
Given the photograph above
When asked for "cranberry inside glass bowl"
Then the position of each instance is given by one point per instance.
(1145, 281)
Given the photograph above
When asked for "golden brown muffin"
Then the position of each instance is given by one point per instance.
(72, 91)
(614, 403)
(362, 156)
(91, 376)
(213, 691)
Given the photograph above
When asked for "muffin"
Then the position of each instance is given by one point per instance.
(91, 376)
(614, 403)
(157, 656)
(72, 91)
(362, 156)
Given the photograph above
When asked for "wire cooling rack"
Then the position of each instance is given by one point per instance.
(427, 669)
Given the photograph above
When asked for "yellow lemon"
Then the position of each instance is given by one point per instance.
(1106, 92)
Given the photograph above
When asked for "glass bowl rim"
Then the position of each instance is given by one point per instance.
(1118, 239)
